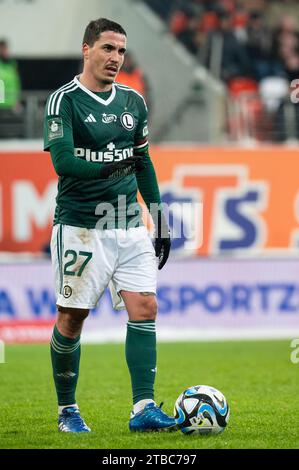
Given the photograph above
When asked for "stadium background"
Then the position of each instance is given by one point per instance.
(242, 280)
(222, 135)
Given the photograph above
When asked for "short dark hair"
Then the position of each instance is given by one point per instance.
(95, 28)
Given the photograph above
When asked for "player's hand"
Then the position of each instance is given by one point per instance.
(123, 168)
(140, 165)
(162, 242)
(162, 249)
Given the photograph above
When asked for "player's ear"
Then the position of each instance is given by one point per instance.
(85, 51)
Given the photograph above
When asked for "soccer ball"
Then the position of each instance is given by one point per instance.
(201, 410)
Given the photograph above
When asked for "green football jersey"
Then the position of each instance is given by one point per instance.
(103, 128)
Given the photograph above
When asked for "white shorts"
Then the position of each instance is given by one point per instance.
(86, 261)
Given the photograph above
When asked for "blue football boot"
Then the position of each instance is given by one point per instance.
(70, 421)
(152, 418)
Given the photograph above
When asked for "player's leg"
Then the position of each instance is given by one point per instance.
(135, 279)
(141, 358)
(141, 354)
(65, 356)
(65, 353)
(81, 276)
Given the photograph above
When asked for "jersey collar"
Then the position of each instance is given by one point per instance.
(94, 96)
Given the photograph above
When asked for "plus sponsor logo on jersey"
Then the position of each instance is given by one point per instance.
(108, 118)
(111, 155)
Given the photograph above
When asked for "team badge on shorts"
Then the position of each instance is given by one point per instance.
(67, 291)
(128, 121)
(55, 128)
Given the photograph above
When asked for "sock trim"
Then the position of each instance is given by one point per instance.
(141, 404)
(61, 407)
(146, 325)
(142, 321)
(61, 349)
(63, 345)
(142, 327)
(143, 330)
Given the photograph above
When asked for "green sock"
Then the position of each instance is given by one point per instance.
(65, 355)
(141, 358)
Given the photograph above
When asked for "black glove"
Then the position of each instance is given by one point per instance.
(123, 168)
(162, 241)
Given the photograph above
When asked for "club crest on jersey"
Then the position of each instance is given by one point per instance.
(67, 291)
(127, 120)
(55, 128)
(108, 118)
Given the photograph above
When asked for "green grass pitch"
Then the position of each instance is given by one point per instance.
(258, 379)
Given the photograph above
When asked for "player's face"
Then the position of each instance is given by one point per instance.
(105, 58)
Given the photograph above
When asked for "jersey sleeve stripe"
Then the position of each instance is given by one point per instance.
(57, 100)
(141, 146)
(61, 96)
(50, 109)
(52, 96)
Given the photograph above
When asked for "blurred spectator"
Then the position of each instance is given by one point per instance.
(132, 76)
(161, 7)
(273, 91)
(239, 44)
(230, 25)
(11, 115)
(223, 54)
(240, 20)
(259, 47)
(184, 23)
(190, 36)
(10, 77)
(286, 46)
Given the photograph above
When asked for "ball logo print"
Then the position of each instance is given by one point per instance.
(201, 409)
(128, 121)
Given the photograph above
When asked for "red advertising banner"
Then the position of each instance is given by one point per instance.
(250, 197)
(27, 200)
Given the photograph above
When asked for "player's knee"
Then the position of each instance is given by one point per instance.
(70, 320)
(149, 307)
(77, 314)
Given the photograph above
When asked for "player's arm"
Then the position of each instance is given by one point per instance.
(149, 190)
(58, 139)
(66, 164)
